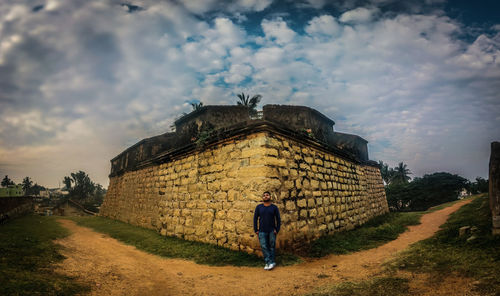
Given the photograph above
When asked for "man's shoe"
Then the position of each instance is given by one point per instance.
(266, 267)
(271, 266)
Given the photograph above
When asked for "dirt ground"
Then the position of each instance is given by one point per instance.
(113, 268)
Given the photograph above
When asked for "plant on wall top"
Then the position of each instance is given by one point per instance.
(196, 105)
(250, 103)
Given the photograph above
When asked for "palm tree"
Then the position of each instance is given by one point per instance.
(401, 174)
(196, 106)
(6, 181)
(385, 171)
(27, 185)
(250, 103)
(67, 182)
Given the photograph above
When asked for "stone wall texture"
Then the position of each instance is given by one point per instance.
(210, 194)
(494, 186)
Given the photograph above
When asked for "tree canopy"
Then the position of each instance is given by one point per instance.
(479, 186)
(67, 181)
(84, 187)
(423, 193)
(196, 105)
(250, 103)
(27, 185)
(398, 174)
(6, 181)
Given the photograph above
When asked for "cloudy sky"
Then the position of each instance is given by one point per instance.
(80, 81)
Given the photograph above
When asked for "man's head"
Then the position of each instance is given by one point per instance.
(266, 197)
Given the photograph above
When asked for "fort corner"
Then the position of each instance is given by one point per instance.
(203, 181)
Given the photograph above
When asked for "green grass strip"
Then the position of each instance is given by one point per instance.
(376, 232)
(172, 247)
(373, 233)
(27, 255)
(450, 203)
(447, 253)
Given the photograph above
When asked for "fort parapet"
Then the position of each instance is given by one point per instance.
(203, 181)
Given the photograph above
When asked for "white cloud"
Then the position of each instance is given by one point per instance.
(269, 57)
(323, 25)
(277, 31)
(238, 73)
(252, 5)
(358, 15)
(72, 99)
(215, 43)
(204, 6)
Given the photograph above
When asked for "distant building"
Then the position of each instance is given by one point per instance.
(464, 193)
(52, 192)
(12, 190)
(57, 192)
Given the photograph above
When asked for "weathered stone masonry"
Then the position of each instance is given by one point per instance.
(209, 193)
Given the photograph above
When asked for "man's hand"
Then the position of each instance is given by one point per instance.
(275, 232)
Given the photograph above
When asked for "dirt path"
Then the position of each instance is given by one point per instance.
(113, 268)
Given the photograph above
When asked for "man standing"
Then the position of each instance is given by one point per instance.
(268, 217)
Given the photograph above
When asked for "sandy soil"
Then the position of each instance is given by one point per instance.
(113, 268)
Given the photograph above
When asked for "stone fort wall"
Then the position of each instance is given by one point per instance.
(209, 194)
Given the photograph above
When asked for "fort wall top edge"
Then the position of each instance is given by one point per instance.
(210, 124)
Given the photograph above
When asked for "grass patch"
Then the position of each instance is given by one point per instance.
(447, 253)
(373, 233)
(172, 247)
(376, 232)
(380, 286)
(27, 252)
(450, 203)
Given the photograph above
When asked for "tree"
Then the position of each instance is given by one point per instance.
(480, 186)
(401, 174)
(423, 193)
(67, 182)
(35, 190)
(386, 172)
(84, 187)
(88, 193)
(27, 185)
(7, 181)
(99, 193)
(250, 103)
(196, 105)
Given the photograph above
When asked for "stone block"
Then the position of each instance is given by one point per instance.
(302, 203)
(218, 225)
(221, 195)
(303, 214)
(234, 215)
(219, 235)
(179, 229)
(290, 206)
(229, 226)
(257, 171)
(220, 215)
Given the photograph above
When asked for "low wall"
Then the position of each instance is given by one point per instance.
(12, 207)
(209, 195)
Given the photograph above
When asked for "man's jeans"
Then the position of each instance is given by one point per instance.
(267, 243)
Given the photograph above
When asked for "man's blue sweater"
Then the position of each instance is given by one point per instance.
(269, 218)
